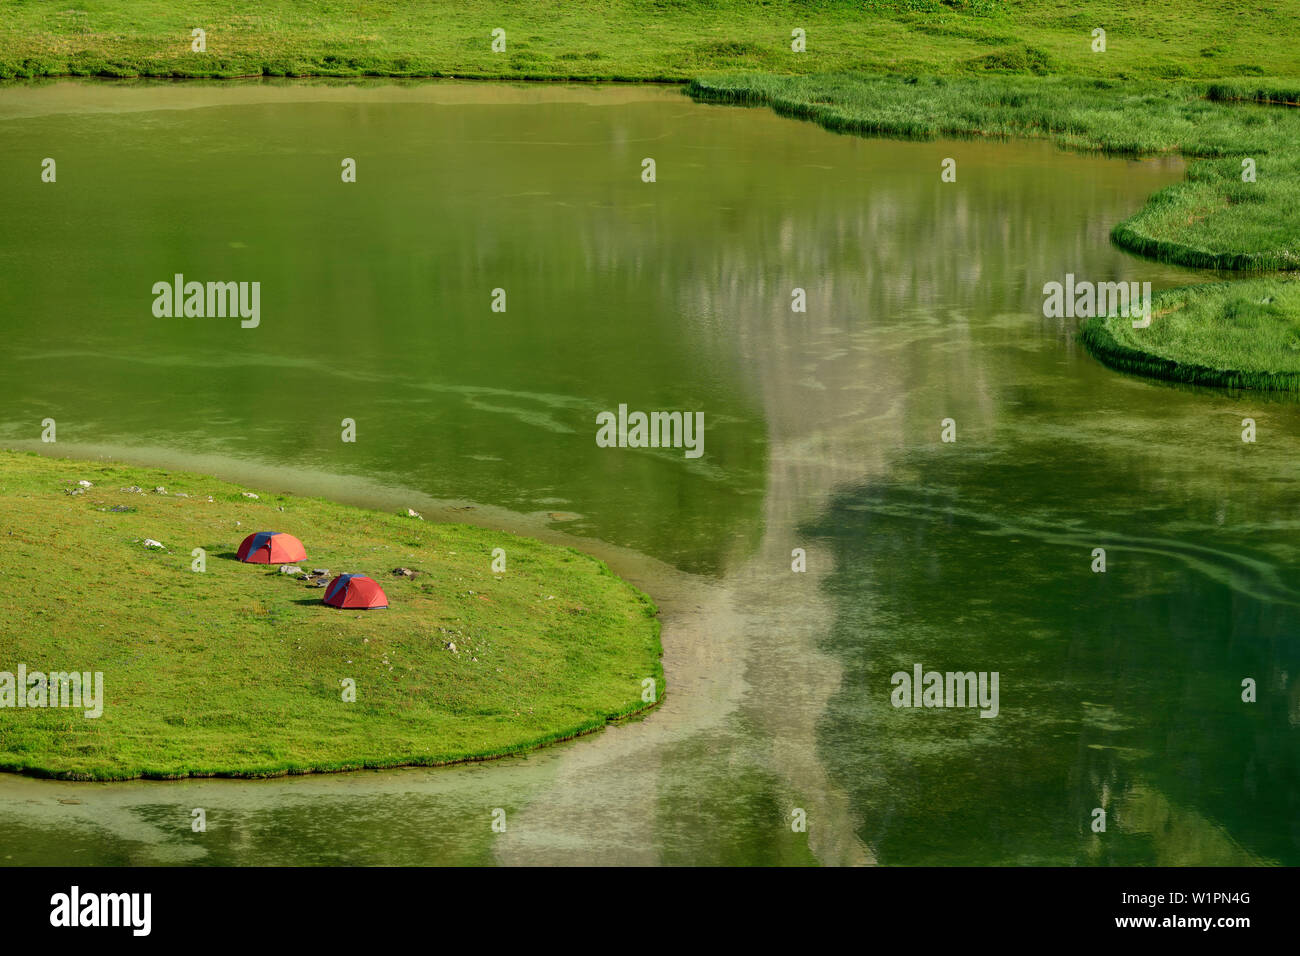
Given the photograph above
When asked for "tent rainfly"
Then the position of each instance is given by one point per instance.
(271, 547)
(355, 591)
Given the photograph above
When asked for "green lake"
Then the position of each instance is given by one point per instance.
(1119, 690)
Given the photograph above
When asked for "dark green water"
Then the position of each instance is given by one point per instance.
(1119, 690)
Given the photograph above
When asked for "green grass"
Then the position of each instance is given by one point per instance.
(1242, 334)
(644, 39)
(236, 671)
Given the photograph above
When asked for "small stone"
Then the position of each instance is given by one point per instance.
(320, 571)
(290, 569)
(411, 513)
(134, 490)
(76, 491)
(151, 543)
(404, 573)
(160, 490)
(181, 494)
(85, 484)
(451, 646)
(249, 494)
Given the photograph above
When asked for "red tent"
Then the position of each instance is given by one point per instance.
(271, 547)
(356, 591)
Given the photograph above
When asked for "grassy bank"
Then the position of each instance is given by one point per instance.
(1242, 334)
(237, 670)
(643, 39)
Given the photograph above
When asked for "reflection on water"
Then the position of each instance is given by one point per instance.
(1118, 690)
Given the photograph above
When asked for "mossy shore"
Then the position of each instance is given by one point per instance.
(240, 670)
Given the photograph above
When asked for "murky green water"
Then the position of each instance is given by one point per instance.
(1119, 690)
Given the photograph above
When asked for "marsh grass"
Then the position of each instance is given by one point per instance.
(1210, 220)
(236, 671)
(1243, 334)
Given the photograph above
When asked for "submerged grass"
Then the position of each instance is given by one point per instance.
(236, 671)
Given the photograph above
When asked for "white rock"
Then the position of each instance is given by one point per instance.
(160, 490)
(85, 484)
(249, 494)
(410, 513)
(290, 569)
(151, 543)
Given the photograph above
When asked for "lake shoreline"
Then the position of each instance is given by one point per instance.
(1197, 223)
(1189, 224)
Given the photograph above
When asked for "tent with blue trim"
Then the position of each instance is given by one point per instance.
(271, 547)
(355, 591)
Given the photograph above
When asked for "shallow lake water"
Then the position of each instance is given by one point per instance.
(1118, 690)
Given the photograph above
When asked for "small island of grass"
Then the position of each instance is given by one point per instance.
(240, 670)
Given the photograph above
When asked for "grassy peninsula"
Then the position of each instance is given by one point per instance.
(238, 670)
